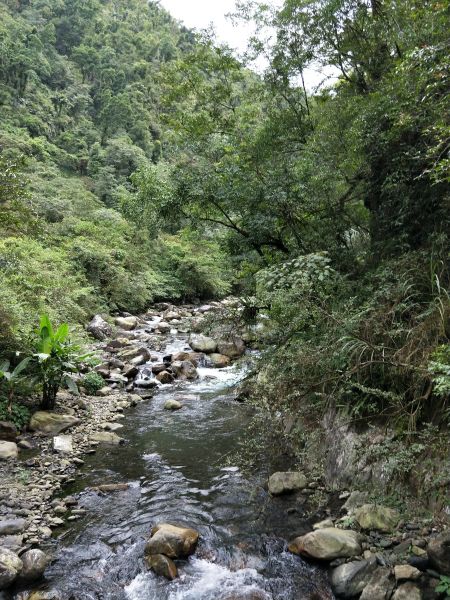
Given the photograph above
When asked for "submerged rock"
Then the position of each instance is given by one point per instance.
(50, 423)
(373, 516)
(283, 482)
(172, 405)
(107, 437)
(162, 565)
(173, 541)
(327, 544)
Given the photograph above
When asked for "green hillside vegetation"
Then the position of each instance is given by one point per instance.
(142, 163)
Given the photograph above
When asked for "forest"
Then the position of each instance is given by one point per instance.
(141, 162)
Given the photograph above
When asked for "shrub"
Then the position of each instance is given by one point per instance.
(17, 413)
(92, 382)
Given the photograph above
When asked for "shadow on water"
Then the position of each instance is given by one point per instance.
(174, 464)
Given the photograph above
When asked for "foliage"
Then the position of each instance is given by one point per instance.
(15, 412)
(56, 359)
(92, 382)
(11, 377)
(444, 585)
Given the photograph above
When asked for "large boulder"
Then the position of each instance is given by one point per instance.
(232, 348)
(283, 482)
(8, 450)
(50, 423)
(165, 377)
(126, 323)
(374, 516)
(162, 565)
(34, 564)
(99, 328)
(349, 580)
(187, 370)
(10, 567)
(327, 544)
(380, 586)
(439, 552)
(173, 541)
(202, 343)
(8, 431)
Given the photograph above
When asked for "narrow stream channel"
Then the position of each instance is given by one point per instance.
(174, 462)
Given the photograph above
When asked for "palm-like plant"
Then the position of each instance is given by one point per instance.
(57, 359)
(11, 378)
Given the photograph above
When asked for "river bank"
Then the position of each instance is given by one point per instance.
(136, 362)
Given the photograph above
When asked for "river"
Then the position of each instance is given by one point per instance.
(176, 465)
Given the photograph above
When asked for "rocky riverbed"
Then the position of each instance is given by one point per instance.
(370, 550)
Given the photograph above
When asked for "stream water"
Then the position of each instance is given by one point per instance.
(174, 462)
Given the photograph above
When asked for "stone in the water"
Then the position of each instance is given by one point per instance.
(349, 580)
(127, 323)
(172, 405)
(8, 431)
(188, 370)
(50, 423)
(99, 328)
(219, 361)
(407, 591)
(163, 327)
(165, 377)
(8, 450)
(34, 564)
(373, 516)
(404, 572)
(173, 541)
(162, 565)
(380, 586)
(12, 526)
(107, 437)
(202, 343)
(63, 444)
(111, 487)
(10, 567)
(284, 482)
(327, 544)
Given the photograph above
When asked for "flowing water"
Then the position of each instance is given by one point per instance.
(174, 462)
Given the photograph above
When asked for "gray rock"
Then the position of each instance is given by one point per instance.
(163, 327)
(99, 328)
(202, 343)
(283, 482)
(187, 370)
(232, 348)
(349, 580)
(34, 564)
(355, 500)
(323, 524)
(126, 323)
(219, 361)
(50, 423)
(12, 526)
(107, 437)
(8, 450)
(405, 572)
(439, 552)
(10, 567)
(63, 444)
(407, 591)
(380, 586)
(374, 516)
(8, 431)
(327, 544)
